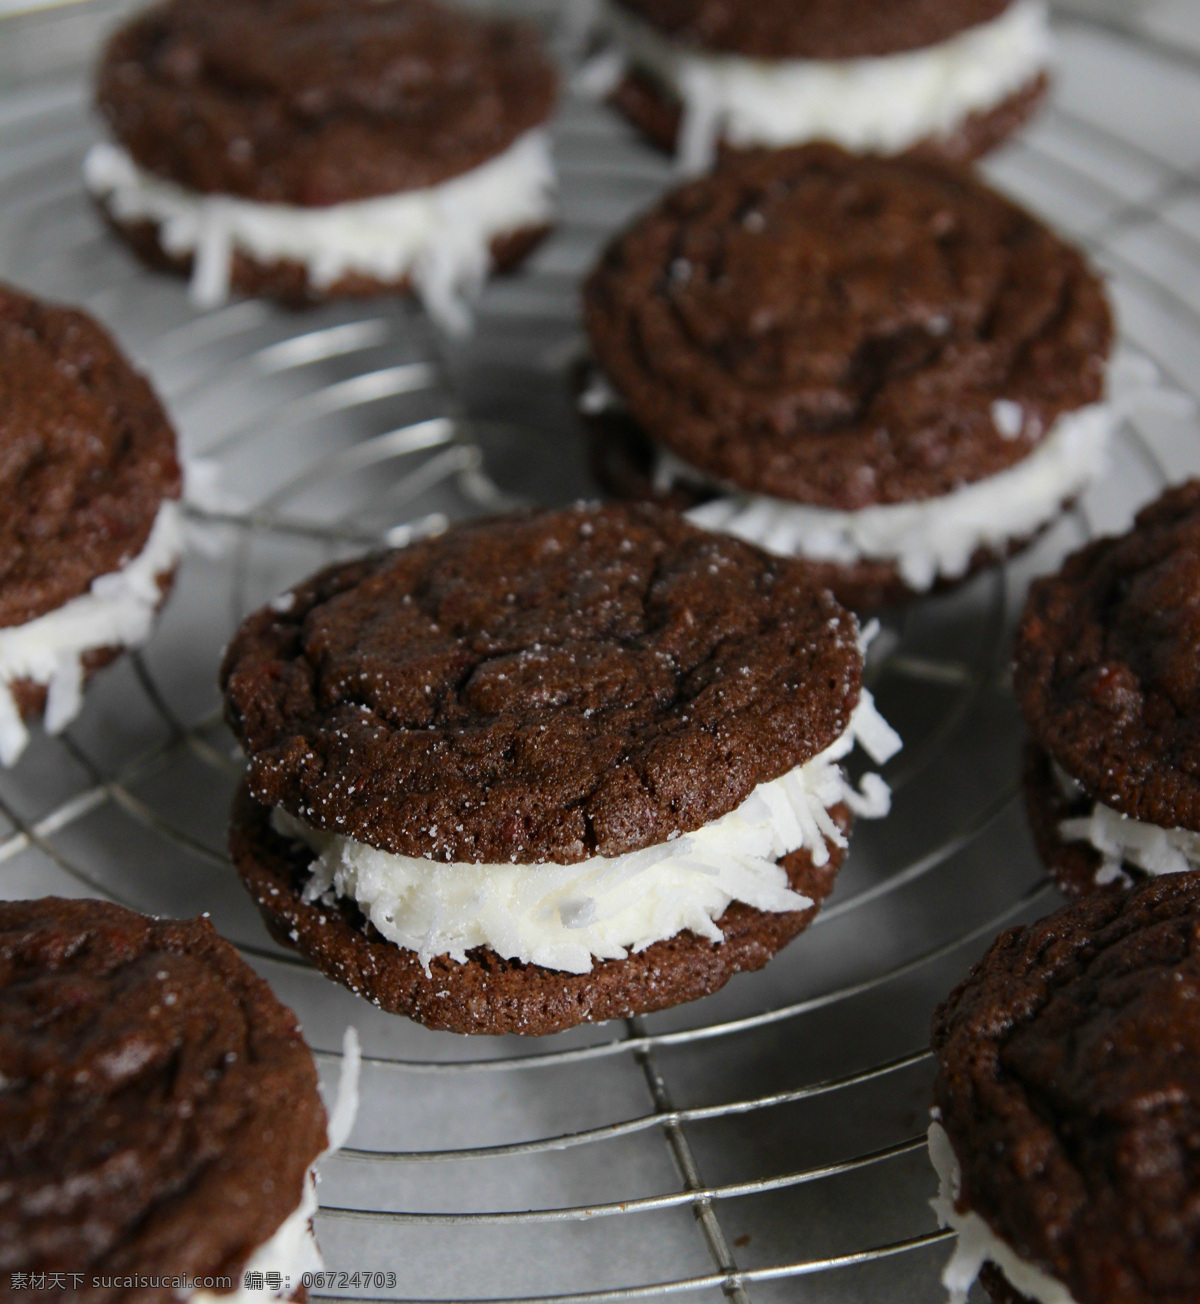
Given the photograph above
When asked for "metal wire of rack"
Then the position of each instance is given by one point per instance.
(767, 1142)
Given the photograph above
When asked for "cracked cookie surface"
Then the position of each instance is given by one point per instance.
(837, 330)
(87, 456)
(1068, 1081)
(147, 1071)
(319, 102)
(1107, 664)
(542, 687)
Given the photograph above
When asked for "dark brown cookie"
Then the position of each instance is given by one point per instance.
(1107, 665)
(835, 329)
(317, 102)
(621, 456)
(87, 457)
(815, 29)
(1074, 864)
(999, 1287)
(544, 686)
(1069, 1085)
(288, 282)
(622, 463)
(657, 114)
(492, 995)
(160, 1109)
(986, 129)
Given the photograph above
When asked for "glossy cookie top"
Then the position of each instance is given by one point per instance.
(838, 330)
(87, 456)
(160, 1108)
(1069, 1084)
(316, 102)
(1107, 664)
(814, 29)
(546, 686)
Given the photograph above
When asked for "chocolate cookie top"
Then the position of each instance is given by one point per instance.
(814, 29)
(87, 456)
(317, 102)
(160, 1107)
(837, 330)
(1107, 664)
(546, 686)
(1069, 1084)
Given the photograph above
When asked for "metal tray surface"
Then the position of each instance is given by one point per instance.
(768, 1142)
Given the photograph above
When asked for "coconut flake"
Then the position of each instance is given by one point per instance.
(118, 610)
(874, 105)
(977, 1243)
(345, 1103)
(929, 538)
(1122, 840)
(439, 236)
(567, 916)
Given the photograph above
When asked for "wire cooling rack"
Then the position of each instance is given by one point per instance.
(765, 1143)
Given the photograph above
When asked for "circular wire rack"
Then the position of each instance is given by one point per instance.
(767, 1142)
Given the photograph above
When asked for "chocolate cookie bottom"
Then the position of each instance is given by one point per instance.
(489, 994)
(622, 461)
(288, 282)
(998, 1286)
(1073, 864)
(658, 115)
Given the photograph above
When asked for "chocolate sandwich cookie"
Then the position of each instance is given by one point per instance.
(880, 365)
(1067, 1098)
(91, 530)
(626, 464)
(1106, 672)
(327, 147)
(548, 768)
(160, 1114)
(946, 78)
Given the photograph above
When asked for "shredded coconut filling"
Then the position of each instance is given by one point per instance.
(883, 104)
(117, 611)
(566, 916)
(977, 1243)
(927, 539)
(439, 236)
(293, 1251)
(1121, 839)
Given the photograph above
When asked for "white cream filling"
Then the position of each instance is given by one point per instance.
(293, 1251)
(117, 611)
(439, 236)
(566, 916)
(977, 1243)
(1121, 839)
(881, 104)
(930, 538)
